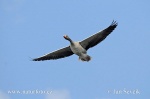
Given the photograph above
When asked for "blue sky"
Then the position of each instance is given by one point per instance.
(31, 28)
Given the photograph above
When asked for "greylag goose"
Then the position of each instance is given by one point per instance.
(79, 48)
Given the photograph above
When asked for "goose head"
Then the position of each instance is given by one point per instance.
(66, 37)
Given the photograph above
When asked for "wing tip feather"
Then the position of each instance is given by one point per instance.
(114, 23)
(37, 59)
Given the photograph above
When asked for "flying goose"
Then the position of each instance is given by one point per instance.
(79, 48)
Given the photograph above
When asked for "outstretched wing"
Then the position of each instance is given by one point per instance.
(61, 53)
(98, 37)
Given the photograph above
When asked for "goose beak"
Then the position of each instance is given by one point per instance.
(65, 36)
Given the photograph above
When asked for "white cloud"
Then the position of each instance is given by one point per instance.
(59, 94)
(3, 95)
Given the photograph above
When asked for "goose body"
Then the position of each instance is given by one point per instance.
(79, 48)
